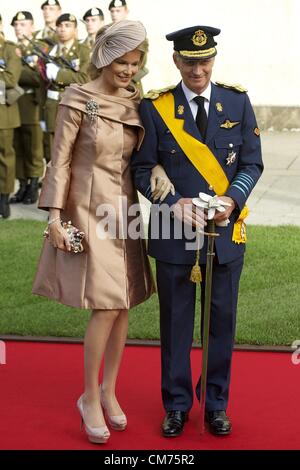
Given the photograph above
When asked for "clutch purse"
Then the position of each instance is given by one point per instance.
(75, 236)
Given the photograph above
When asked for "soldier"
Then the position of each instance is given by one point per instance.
(28, 139)
(72, 60)
(206, 137)
(93, 20)
(10, 71)
(118, 10)
(51, 11)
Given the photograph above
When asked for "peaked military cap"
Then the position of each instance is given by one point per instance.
(66, 17)
(93, 12)
(196, 42)
(50, 3)
(117, 4)
(21, 16)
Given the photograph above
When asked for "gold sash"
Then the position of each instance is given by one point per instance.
(208, 166)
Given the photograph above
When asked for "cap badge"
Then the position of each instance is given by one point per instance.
(51, 2)
(94, 11)
(180, 110)
(21, 16)
(229, 125)
(199, 39)
(219, 107)
(72, 18)
(118, 3)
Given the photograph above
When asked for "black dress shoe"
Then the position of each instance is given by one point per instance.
(218, 423)
(174, 423)
(19, 196)
(4, 206)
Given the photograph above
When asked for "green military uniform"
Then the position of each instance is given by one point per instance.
(78, 56)
(10, 71)
(47, 35)
(28, 139)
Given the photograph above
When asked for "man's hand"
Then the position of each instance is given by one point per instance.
(222, 216)
(185, 211)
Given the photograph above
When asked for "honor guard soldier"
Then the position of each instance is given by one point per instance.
(28, 138)
(206, 137)
(118, 10)
(93, 20)
(10, 71)
(51, 11)
(71, 64)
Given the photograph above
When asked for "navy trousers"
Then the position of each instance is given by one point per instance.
(177, 312)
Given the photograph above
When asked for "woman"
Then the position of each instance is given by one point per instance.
(97, 129)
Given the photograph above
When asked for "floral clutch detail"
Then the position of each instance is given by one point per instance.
(75, 236)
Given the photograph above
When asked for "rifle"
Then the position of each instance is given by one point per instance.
(48, 58)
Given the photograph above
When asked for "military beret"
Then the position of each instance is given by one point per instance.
(66, 17)
(117, 4)
(93, 12)
(21, 16)
(196, 42)
(50, 3)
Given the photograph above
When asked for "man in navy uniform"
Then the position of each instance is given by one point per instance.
(206, 137)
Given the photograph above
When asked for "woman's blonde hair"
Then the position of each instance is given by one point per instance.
(94, 72)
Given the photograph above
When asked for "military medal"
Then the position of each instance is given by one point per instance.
(231, 156)
(180, 110)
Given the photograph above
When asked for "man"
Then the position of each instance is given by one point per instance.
(94, 20)
(72, 61)
(10, 71)
(28, 138)
(118, 10)
(216, 127)
(51, 11)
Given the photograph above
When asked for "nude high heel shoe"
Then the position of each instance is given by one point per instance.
(118, 423)
(95, 435)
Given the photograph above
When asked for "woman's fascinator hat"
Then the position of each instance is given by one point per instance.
(116, 40)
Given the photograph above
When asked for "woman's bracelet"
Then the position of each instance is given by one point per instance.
(50, 222)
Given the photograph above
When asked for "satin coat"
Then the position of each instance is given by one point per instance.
(90, 166)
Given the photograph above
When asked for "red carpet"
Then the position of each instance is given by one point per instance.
(40, 383)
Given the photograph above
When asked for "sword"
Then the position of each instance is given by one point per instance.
(211, 228)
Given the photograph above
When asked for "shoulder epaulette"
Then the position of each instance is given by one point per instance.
(154, 94)
(230, 86)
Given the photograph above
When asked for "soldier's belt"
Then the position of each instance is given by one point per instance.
(53, 95)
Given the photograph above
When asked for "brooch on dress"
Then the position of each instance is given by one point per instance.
(92, 110)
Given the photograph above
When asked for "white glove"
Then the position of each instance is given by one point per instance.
(52, 71)
(43, 126)
(212, 204)
(161, 186)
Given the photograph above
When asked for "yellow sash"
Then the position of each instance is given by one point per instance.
(208, 166)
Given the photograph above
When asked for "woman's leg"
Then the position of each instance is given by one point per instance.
(96, 338)
(113, 356)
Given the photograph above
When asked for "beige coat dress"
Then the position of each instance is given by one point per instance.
(90, 166)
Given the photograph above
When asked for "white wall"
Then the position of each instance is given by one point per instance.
(258, 47)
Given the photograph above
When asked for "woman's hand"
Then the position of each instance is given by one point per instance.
(161, 186)
(58, 236)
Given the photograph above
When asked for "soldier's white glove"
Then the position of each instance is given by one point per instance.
(161, 186)
(212, 204)
(52, 71)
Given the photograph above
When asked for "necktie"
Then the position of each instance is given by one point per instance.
(201, 118)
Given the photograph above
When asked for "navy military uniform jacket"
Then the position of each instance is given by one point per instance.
(159, 146)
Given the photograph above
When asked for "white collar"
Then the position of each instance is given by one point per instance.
(190, 95)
